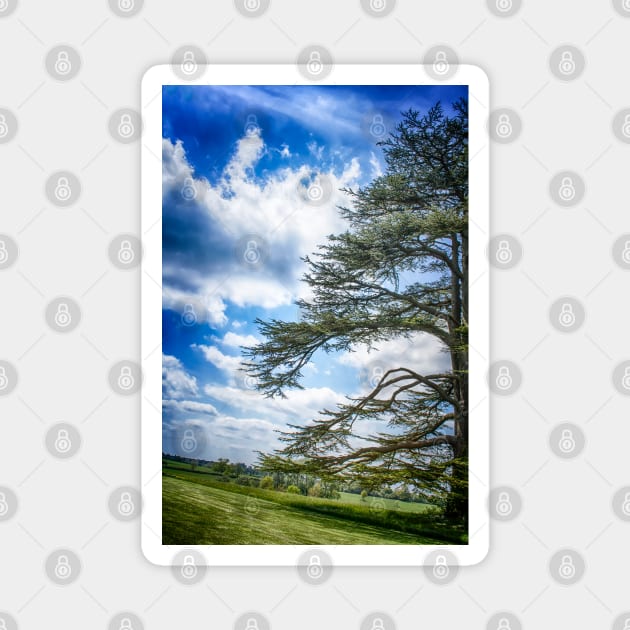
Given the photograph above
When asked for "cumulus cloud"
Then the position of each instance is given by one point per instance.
(249, 149)
(203, 225)
(218, 359)
(298, 407)
(420, 352)
(237, 341)
(177, 383)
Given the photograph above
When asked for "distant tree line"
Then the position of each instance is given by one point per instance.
(294, 483)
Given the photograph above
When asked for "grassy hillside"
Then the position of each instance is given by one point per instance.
(199, 509)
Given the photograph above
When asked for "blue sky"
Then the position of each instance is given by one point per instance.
(238, 162)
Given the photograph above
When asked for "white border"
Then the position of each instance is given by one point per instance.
(151, 308)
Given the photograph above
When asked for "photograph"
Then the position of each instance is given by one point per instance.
(315, 309)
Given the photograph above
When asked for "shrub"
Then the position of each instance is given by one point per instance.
(293, 490)
(266, 482)
(315, 490)
(364, 495)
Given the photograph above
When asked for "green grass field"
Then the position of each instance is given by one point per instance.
(199, 509)
(388, 504)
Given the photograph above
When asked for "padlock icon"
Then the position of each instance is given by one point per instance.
(126, 255)
(189, 441)
(626, 625)
(378, 624)
(440, 569)
(252, 5)
(625, 381)
(126, 5)
(62, 316)
(251, 125)
(189, 65)
(126, 381)
(63, 192)
(378, 5)
(125, 127)
(504, 624)
(504, 253)
(625, 254)
(567, 441)
(189, 570)
(125, 624)
(377, 128)
(4, 506)
(4, 254)
(125, 505)
(376, 375)
(4, 128)
(189, 317)
(189, 192)
(625, 128)
(567, 189)
(251, 254)
(567, 568)
(504, 126)
(504, 505)
(63, 65)
(567, 315)
(314, 570)
(504, 5)
(314, 64)
(4, 380)
(504, 378)
(250, 382)
(63, 443)
(625, 506)
(3, 623)
(63, 570)
(626, 7)
(315, 191)
(567, 63)
(251, 624)
(440, 63)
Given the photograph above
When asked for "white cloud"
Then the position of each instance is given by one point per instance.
(236, 341)
(189, 406)
(223, 436)
(316, 150)
(205, 306)
(218, 359)
(377, 171)
(421, 352)
(311, 367)
(299, 406)
(249, 149)
(201, 263)
(176, 382)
